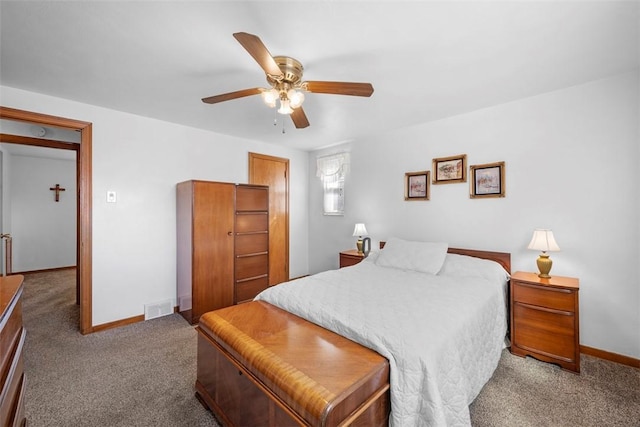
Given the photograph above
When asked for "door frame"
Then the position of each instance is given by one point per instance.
(84, 172)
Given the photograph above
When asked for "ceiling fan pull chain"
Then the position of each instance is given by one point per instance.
(275, 117)
(283, 127)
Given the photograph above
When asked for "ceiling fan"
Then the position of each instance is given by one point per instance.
(284, 75)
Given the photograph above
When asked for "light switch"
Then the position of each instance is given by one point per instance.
(111, 196)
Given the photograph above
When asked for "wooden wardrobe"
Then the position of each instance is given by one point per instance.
(223, 245)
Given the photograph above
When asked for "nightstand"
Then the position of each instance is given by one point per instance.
(350, 257)
(545, 319)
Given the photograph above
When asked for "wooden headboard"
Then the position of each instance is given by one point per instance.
(502, 258)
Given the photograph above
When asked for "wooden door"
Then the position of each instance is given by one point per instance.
(274, 172)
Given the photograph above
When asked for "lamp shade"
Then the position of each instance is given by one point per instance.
(360, 230)
(543, 240)
(270, 97)
(296, 98)
(285, 108)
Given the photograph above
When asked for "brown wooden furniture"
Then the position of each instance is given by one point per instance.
(12, 337)
(545, 319)
(259, 365)
(223, 245)
(350, 257)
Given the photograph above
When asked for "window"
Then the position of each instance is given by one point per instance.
(332, 170)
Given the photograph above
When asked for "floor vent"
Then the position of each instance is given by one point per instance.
(159, 309)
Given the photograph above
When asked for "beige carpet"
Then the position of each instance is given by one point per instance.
(143, 375)
(136, 375)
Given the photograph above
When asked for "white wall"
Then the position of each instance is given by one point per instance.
(43, 230)
(134, 240)
(571, 165)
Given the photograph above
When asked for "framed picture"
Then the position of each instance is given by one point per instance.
(487, 180)
(416, 185)
(449, 170)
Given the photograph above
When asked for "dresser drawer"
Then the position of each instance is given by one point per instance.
(249, 223)
(19, 414)
(251, 266)
(12, 387)
(252, 198)
(544, 331)
(10, 332)
(252, 243)
(248, 289)
(559, 299)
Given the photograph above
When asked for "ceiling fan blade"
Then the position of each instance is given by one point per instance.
(260, 53)
(340, 88)
(231, 95)
(299, 118)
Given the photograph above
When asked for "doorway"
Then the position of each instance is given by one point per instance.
(274, 172)
(83, 174)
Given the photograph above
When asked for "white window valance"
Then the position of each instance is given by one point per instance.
(334, 167)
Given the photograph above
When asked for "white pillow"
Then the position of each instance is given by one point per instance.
(468, 266)
(426, 257)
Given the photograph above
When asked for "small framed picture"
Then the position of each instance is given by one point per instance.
(449, 170)
(487, 180)
(416, 185)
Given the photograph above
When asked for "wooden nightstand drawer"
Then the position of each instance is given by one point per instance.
(549, 332)
(350, 257)
(559, 299)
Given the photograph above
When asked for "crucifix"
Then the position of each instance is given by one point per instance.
(57, 189)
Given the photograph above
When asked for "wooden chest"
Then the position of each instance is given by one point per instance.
(259, 365)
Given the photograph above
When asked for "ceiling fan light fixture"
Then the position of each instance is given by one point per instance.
(285, 108)
(270, 97)
(296, 98)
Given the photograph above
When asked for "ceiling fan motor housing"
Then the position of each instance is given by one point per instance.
(292, 72)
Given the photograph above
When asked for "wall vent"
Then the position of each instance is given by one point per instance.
(158, 309)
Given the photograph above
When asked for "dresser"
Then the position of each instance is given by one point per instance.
(223, 245)
(545, 319)
(12, 338)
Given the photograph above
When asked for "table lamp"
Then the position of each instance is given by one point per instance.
(544, 241)
(360, 230)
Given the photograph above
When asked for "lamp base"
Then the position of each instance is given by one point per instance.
(544, 265)
(360, 246)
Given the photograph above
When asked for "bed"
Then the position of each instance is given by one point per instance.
(438, 316)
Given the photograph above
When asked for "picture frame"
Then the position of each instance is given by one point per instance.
(450, 170)
(417, 185)
(487, 180)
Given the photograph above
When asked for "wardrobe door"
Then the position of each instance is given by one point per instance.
(212, 247)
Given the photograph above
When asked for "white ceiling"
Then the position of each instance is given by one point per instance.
(426, 59)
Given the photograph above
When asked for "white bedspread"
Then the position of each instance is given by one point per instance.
(442, 335)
